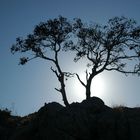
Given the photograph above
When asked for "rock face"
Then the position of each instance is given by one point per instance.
(88, 120)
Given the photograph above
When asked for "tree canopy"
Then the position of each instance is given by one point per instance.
(46, 42)
(113, 47)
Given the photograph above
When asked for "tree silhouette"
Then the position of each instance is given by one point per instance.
(114, 47)
(46, 42)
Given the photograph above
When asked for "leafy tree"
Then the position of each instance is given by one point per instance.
(114, 47)
(46, 42)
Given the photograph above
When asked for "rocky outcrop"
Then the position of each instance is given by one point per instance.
(8, 124)
(88, 120)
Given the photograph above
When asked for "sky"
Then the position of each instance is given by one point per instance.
(24, 89)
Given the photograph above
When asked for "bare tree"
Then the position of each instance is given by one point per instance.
(114, 47)
(46, 42)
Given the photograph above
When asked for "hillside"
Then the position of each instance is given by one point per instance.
(89, 120)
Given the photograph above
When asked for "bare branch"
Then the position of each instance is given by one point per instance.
(106, 62)
(122, 71)
(56, 73)
(47, 58)
(59, 90)
(86, 75)
(123, 58)
(80, 80)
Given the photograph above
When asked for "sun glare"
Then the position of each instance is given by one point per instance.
(97, 87)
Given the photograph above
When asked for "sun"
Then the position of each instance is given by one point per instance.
(97, 86)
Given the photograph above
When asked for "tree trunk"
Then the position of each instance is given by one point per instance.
(63, 91)
(60, 75)
(88, 86)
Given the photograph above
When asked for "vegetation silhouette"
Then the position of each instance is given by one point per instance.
(113, 47)
(47, 36)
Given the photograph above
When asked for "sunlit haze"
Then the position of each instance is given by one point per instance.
(24, 89)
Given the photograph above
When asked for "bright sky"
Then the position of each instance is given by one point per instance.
(24, 89)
